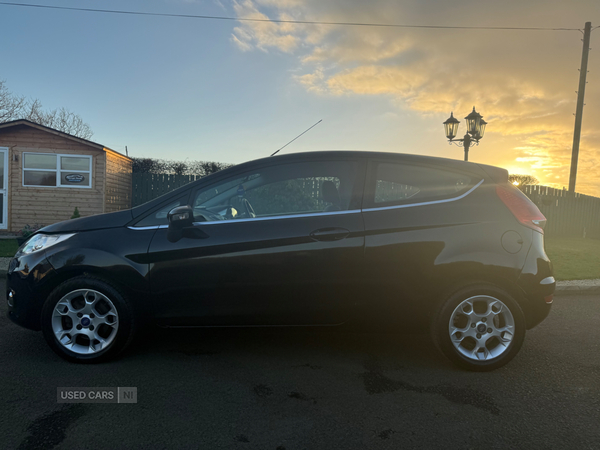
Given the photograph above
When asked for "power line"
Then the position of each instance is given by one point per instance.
(299, 22)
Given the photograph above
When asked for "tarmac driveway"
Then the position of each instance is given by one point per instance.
(313, 389)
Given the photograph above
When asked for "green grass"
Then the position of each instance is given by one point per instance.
(574, 258)
(8, 247)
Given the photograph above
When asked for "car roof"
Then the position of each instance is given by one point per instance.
(350, 154)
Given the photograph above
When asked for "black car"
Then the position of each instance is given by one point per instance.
(320, 238)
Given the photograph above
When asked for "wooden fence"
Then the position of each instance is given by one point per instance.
(569, 215)
(148, 186)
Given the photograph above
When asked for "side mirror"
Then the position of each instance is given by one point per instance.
(179, 218)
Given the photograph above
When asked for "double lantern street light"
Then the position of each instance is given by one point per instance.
(475, 129)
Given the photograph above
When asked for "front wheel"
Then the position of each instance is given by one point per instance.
(87, 320)
(479, 328)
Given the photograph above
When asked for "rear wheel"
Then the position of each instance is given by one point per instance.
(87, 320)
(479, 328)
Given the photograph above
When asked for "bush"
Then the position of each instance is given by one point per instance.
(28, 230)
(160, 166)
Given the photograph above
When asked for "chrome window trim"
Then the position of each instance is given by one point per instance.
(153, 227)
(254, 219)
(331, 213)
(435, 202)
(290, 216)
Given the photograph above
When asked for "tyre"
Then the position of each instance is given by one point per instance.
(86, 320)
(479, 328)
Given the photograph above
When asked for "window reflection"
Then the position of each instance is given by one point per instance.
(287, 189)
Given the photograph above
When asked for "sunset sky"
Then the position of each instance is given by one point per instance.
(231, 91)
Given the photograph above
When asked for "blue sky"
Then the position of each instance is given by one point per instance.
(230, 91)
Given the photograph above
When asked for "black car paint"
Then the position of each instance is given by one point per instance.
(391, 264)
(247, 273)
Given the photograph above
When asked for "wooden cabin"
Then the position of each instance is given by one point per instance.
(45, 174)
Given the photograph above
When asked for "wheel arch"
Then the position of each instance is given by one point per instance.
(464, 281)
(131, 286)
(441, 320)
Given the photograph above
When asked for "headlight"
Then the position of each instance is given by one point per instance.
(42, 241)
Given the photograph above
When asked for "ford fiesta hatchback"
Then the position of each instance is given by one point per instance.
(320, 238)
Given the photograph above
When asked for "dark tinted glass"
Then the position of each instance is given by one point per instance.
(399, 183)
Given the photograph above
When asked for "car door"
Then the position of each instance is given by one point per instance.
(412, 214)
(271, 246)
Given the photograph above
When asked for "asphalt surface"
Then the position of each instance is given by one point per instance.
(309, 389)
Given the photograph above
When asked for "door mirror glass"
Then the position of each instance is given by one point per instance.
(181, 217)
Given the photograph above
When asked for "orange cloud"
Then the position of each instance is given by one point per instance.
(522, 82)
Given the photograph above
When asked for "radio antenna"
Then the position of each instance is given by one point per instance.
(298, 137)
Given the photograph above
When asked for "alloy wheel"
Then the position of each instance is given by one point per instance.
(85, 321)
(481, 328)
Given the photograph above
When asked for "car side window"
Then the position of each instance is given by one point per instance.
(293, 196)
(285, 189)
(403, 183)
(159, 217)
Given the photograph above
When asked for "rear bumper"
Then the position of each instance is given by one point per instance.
(537, 283)
(538, 307)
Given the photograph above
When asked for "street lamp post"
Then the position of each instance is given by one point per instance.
(475, 129)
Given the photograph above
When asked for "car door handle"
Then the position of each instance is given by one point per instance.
(329, 234)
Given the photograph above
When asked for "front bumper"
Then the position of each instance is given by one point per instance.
(28, 284)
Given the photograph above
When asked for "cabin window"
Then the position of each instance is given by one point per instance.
(56, 170)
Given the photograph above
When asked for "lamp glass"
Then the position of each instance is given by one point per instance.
(482, 124)
(473, 122)
(451, 127)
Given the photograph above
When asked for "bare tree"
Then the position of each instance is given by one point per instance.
(522, 180)
(13, 107)
(64, 120)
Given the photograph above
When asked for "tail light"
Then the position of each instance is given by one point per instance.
(522, 208)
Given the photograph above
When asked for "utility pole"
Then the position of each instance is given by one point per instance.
(579, 112)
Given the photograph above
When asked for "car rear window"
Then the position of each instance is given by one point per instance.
(401, 183)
